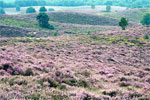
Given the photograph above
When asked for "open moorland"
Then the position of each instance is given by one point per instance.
(91, 58)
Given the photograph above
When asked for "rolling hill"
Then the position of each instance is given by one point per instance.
(134, 15)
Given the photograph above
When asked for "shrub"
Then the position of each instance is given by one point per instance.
(17, 8)
(51, 9)
(42, 9)
(2, 11)
(30, 10)
(55, 34)
(146, 19)
(108, 8)
(146, 36)
(28, 72)
(123, 23)
(43, 19)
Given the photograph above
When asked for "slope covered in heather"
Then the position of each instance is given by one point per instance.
(104, 65)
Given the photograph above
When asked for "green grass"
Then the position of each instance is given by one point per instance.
(13, 22)
(19, 23)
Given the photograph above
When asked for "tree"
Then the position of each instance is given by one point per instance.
(17, 8)
(108, 8)
(146, 36)
(43, 20)
(146, 19)
(93, 6)
(2, 11)
(42, 9)
(109, 3)
(30, 10)
(123, 23)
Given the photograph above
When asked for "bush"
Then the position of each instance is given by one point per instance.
(55, 34)
(28, 72)
(146, 36)
(123, 23)
(146, 19)
(43, 9)
(51, 9)
(2, 11)
(93, 6)
(108, 8)
(43, 19)
(17, 8)
(30, 10)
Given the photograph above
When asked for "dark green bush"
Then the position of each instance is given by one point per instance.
(43, 20)
(30, 10)
(146, 36)
(146, 19)
(28, 72)
(43, 9)
(123, 23)
(2, 11)
(17, 8)
(108, 8)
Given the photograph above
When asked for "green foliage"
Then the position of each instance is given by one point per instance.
(30, 10)
(53, 83)
(51, 9)
(146, 36)
(123, 23)
(43, 9)
(43, 20)
(2, 11)
(17, 8)
(55, 33)
(146, 19)
(108, 8)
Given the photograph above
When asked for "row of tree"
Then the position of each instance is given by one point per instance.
(29, 10)
(124, 3)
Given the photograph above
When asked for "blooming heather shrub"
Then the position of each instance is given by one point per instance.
(36, 96)
(59, 97)
(11, 69)
(3, 73)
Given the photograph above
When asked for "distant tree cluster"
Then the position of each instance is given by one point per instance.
(123, 3)
(24, 3)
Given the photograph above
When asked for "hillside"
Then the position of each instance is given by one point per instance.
(105, 65)
(134, 15)
(75, 18)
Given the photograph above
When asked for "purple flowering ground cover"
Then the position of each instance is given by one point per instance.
(110, 65)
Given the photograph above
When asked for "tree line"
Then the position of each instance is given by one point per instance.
(123, 3)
